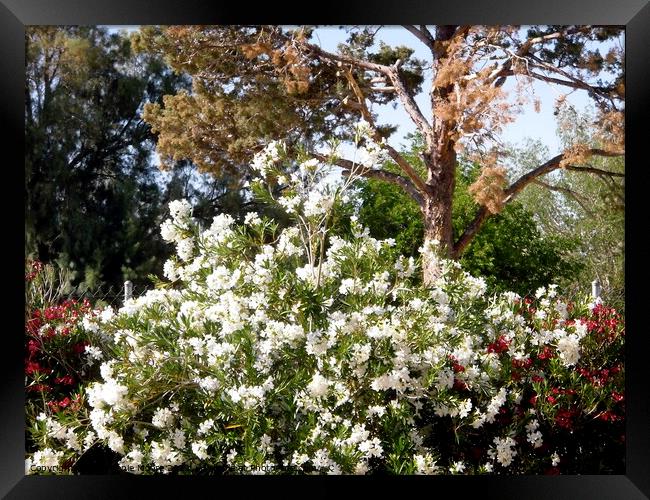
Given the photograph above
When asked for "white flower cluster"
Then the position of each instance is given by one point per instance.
(162, 418)
(569, 348)
(504, 451)
(533, 435)
(265, 159)
(276, 356)
(236, 328)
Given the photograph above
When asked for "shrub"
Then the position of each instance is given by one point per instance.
(60, 357)
(298, 351)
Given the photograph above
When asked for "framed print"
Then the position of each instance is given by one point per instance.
(303, 251)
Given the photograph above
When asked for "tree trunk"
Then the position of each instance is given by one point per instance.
(437, 214)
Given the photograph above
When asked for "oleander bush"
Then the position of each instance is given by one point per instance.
(61, 357)
(294, 350)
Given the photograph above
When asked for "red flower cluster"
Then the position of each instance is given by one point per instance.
(601, 377)
(65, 316)
(617, 396)
(564, 418)
(57, 406)
(519, 367)
(522, 363)
(500, 345)
(35, 268)
(33, 367)
(609, 416)
(562, 402)
(605, 323)
(53, 355)
(547, 353)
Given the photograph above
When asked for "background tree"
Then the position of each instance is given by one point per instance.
(94, 198)
(589, 208)
(248, 87)
(251, 84)
(509, 250)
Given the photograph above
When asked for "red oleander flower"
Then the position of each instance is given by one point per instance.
(65, 380)
(36, 267)
(38, 388)
(617, 396)
(458, 368)
(460, 385)
(76, 403)
(547, 353)
(54, 406)
(32, 367)
(499, 345)
(34, 324)
(80, 347)
(609, 416)
(32, 347)
(564, 418)
(522, 363)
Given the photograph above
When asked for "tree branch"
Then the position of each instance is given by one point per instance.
(500, 75)
(552, 36)
(470, 231)
(426, 38)
(368, 173)
(360, 63)
(549, 166)
(573, 83)
(569, 192)
(462, 30)
(410, 106)
(392, 72)
(593, 170)
(392, 152)
(516, 187)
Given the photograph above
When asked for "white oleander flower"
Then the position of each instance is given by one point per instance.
(200, 449)
(318, 386)
(569, 349)
(162, 418)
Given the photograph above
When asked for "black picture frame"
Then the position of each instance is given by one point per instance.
(633, 14)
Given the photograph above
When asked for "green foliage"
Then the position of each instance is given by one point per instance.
(509, 251)
(91, 189)
(512, 254)
(94, 194)
(587, 207)
(276, 349)
(250, 363)
(57, 364)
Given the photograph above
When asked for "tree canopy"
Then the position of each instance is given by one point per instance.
(93, 200)
(251, 84)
